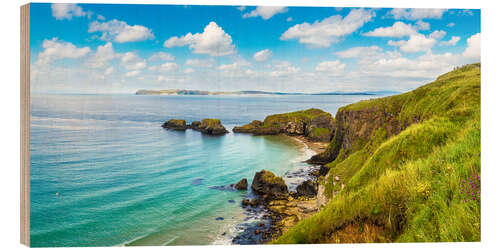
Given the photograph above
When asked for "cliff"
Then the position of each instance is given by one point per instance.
(398, 166)
(314, 124)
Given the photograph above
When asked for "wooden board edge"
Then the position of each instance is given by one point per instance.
(25, 124)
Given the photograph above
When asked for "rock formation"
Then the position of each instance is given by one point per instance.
(314, 124)
(175, 124)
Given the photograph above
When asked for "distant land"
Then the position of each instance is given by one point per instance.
(249, 92)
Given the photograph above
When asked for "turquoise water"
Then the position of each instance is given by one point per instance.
(104, 173)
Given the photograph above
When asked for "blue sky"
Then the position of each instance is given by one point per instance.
(102, 48)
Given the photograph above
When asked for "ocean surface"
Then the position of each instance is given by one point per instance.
(104, 173)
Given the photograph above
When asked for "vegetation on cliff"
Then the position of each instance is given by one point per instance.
(315, 124)
(397, 166)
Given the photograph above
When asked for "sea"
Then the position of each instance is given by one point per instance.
(104, 172)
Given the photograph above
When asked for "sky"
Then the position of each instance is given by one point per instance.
(120, 48)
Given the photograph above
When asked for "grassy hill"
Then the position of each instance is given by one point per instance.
(402, 168)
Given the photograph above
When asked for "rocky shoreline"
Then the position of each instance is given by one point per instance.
(277, 206)
(280, 206)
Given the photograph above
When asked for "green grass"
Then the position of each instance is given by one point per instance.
(409, 184)
(320, 131)
(303, 115)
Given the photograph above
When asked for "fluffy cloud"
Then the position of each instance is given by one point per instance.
(55, 49)
(473, 49)
(166, 67)
(67, 11)
(213, 41)
(423, 25)
(132, 73)
(161, 56)
(452, 42)
(418, 42)
(283, 69)
(415, 14)
(450, 24)
(131, 61)
(357, 52)
(327, 31)
(398, 29)
(102, 56)
(120, 31)
(201, 63)
(331, 67)
(188, 71)
(235, 66)
(262, 55)
(265, 12)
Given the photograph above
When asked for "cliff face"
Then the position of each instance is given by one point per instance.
(355, 128)
(397, 165)
(315, 124)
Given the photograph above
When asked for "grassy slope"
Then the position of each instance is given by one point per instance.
(409, 184)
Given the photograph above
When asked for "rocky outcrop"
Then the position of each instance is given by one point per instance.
(307, 188)
(242, 184)
(206, 126)
(267, 185)
(314, 124)
(358, 126)
(209, 127)
(175, 124)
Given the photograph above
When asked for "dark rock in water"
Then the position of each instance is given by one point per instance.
(307, 188)
(175, 124)
(267, 184)
(242, 184)
(223, 234)
(219, 218)
(195, 125)
(209, 127)
(197, 181)
(231, 201)
(250, 202)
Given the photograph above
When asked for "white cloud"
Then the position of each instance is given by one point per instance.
(450, 24)
(213, 41)
(101, 17)
(120, 31)
(166, 67)
(55, 49)
(67, 11)
(437, 34)
(331, 67)
(473, 49)
(132, 73)
(452, 42)
(357, 52)
(102, 56)
(188, 71)
(283, 69)
(109, 71)
(201, 63)
(418, 42)
(241, 8)
(398, 29)
(262, 55)
(415, 14)
(265, 12)
(131, 61)
(327, 31)
(161, 56)
(289, 19)
(235, 66)
(423, 25)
